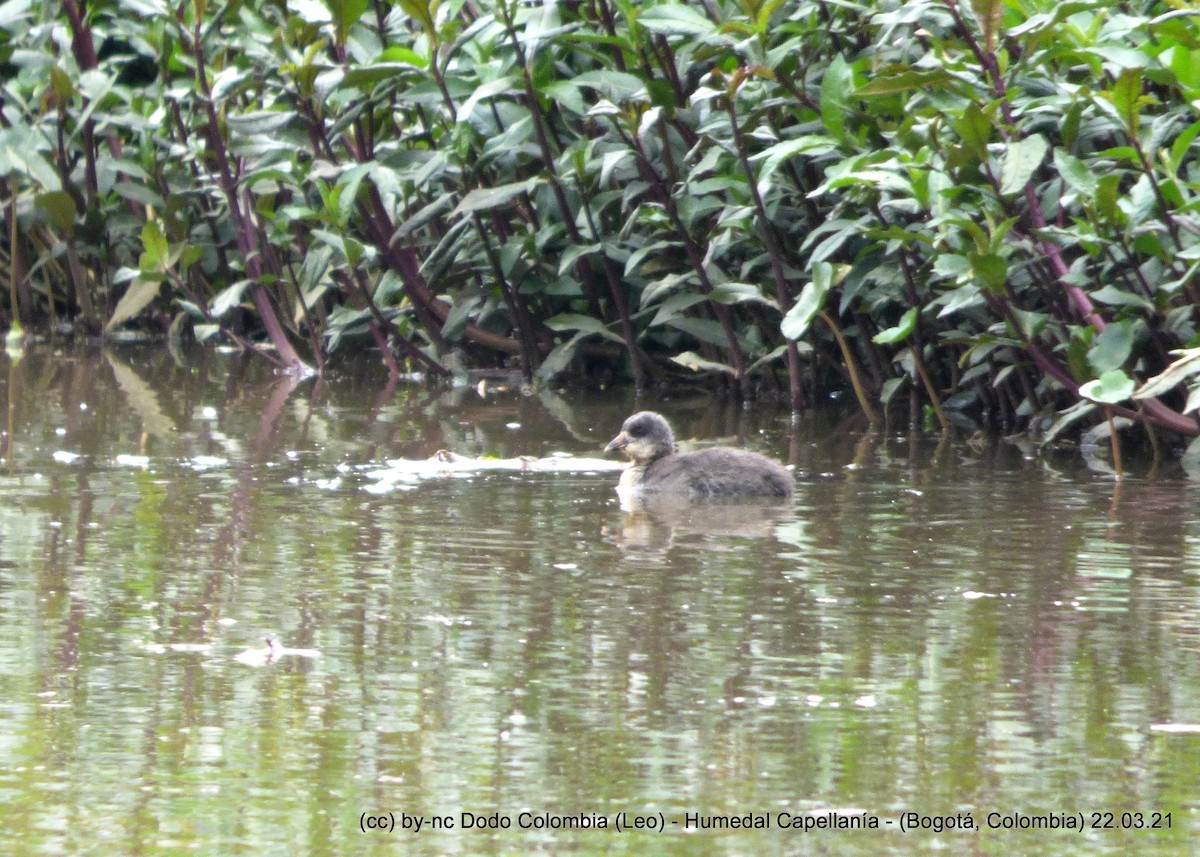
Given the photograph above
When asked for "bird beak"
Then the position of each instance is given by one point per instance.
(618, 442)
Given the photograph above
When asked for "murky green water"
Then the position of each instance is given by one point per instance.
(928, 629)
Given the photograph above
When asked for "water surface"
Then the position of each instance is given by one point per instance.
(930, 628)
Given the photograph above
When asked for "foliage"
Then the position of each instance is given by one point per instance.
(988, 205)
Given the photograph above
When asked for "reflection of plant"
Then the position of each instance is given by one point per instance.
(15, 336)
(990, 207)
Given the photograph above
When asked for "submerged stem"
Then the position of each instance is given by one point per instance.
(860, 392)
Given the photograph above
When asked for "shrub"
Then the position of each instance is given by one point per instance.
(989, 208)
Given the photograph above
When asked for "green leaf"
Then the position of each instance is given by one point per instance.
(904, 81)
(13, 11)
(348, 185)
(480, 93)
(457, 318)
(142, 194)
(351, 249)
(421, 11)
(890, 387)
(447, 251)
(898, 234)
(1118, 57)
(835, 89)
(951, 265)
(673, 19)
(736, 293)
(653, 253)
(999, 231)
(777, 352)
(693, 361)
(675, 306)
(990, 270)
(19, 157)
(974, 129)
(1126, 96)
(485, 199)
(1108, 194)
(1110, 388)
(583, 324)
(1070, 125)
(61, 84)
(908, 323)
(1114, 296)
(574, 253)
(1076, 412)
(774, 156)
(982, 243)
(58, 206)
(616, 85)
(136, 298)
(260, 121)
(425, 215)
(811, 301)
(1182, 145)
(228, 298)
(1029, 324)
(400, 55)
(567, 97)
(1077, 349)
(205, 332)
(1187, 366)
(838, 177)
(226, 82)
(1021, 159)
(989, 14)
(1112, 347)
(1184, 64)
(155, 250)
(560, 358)
(345, 15)
(957, 299)
(363, 77)
(310, 11)
(1041, 23)
(1077, 174)
(390, 285)
(704, 329)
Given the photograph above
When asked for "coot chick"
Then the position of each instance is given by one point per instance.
(717, 472)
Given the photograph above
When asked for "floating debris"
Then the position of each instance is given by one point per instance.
(399, 474)
(272, 652)
(139, 461)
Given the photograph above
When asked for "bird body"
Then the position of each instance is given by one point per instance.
(719, 472)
